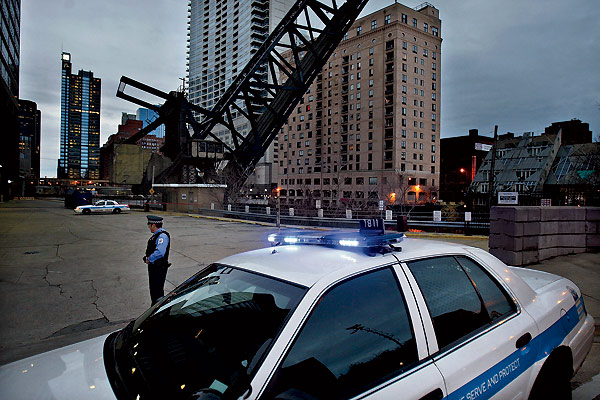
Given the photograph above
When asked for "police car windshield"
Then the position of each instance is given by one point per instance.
(210, 333)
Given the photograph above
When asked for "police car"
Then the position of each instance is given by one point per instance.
(103, 206)
(335, 315)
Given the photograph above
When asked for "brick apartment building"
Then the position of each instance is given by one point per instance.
(368, 129)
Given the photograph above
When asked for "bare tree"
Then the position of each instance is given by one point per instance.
(395, 191)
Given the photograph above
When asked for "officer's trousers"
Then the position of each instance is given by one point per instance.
(156, 277)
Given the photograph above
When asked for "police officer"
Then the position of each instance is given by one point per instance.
(157, 257)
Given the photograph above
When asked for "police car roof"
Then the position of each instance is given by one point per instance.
(306, 264)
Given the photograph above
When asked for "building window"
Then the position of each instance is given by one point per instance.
(374, 24)
(358, 30)
(434, 31)
(415, 22)
(373, 180)
(425, 27)
(387, 19)
(404, 18)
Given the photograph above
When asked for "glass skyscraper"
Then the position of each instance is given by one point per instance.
(147, 116)
(79, 124)
(222, 37)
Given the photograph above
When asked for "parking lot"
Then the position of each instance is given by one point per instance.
(66, 277)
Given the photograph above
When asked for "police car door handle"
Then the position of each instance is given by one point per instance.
(523, 340)
(437, 394)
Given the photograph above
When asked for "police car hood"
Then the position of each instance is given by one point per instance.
(72, 372)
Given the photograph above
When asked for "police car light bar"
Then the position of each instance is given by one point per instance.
(372, 236)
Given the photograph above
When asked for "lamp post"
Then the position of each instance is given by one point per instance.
(278, 210)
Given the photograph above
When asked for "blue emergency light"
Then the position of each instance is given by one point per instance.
(370, 236)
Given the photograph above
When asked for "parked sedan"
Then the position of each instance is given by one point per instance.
(335, 316)
(102, 206)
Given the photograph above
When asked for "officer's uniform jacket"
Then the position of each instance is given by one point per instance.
(158, 247)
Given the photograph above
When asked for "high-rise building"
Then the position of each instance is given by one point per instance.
(30, 121)
(10, 18)
(79, 124)
(222, 37)
(369, 127)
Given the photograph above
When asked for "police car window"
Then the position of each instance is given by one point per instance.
(358, 336)
(210, 333)
(497, 302)
(455, 306)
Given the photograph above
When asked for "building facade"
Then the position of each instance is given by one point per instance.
(460, 158)
(10, 18)
(79, 123)
(30, 121)
(129, 126)
(222, 37)
(147, 116)
(560, 165)
(369, 127)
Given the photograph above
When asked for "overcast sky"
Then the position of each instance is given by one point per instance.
(517, 64)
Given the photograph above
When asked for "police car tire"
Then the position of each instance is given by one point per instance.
(116, 210)
(554, 379)
(86, 211)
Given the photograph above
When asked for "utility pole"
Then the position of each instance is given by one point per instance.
(491, 177)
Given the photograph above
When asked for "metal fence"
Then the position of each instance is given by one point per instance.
(425, 221)
(334, 217)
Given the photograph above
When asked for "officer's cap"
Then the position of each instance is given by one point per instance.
(153, 219)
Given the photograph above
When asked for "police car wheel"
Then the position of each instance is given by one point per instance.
(116, 210)
(554, 379)
(86, 211)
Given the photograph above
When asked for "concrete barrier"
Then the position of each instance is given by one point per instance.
(527, 235)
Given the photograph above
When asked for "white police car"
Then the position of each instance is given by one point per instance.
(336, 316)
(103, 206)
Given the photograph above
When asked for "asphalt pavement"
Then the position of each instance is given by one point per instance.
(66, 277)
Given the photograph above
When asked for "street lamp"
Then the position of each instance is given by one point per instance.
(278, 209)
